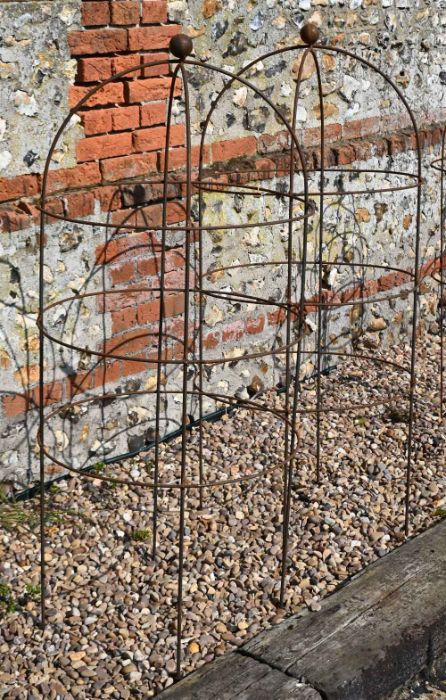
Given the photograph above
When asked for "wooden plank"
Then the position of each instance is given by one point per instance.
(238, 677)
(375, 633)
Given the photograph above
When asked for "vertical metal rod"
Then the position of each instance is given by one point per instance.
(413, 357)
(41, 322)
(442, 273)
(161, 313)
(320, 275)
(41, 427)
(201, 301)
(185, 365)
(289, 312)
(289, 448)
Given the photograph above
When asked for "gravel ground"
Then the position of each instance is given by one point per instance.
(112, 607)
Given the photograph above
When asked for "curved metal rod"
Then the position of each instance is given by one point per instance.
(108, 355)
(189, 485)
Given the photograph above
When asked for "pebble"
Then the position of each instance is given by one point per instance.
(112, 607)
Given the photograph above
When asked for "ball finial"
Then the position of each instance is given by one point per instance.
(309, 33)
(181, 46)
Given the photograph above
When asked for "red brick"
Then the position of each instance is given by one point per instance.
(110, 197)
(128, 166)
(21, 186)
(274, 143)
(133, 296)
(177, 158)
(111, 93)
(128, 343)
(175, 280)
(130, 367)
(107, 374)
(82, 175)
(96, 121)
(398, 143)
(353, 293)
(13, 219)
(151, 89)
(346, 155)
(125, 11)
(95, 13)
(123, 273)
(159, 68)
(19, 403)
(79, 204)
(358, 128)
(124, 319)
(212, 340)
(120, 63)
(234, 148)
(380, 147)
(312, 136)
(154, 138)
(78, 383)
(265, 167)
(332, 132)
(150, 216)
(99, 121)
(363, 149)
(436, 134)
(149, 312)
(52, 393)
(255, 325)
(54, 205)
(97, 41)
(152, 190)
(233, 331)
(130, 245)
(175, 328)
(392, 280)
(150, 38)
(15, 405)
(152, 114)
(125, 118)
(154, 11)
(276, 317)
(150, 266)
(371, 288)
(94, 70)
(106, 146)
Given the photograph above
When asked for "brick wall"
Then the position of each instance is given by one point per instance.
(121, 134)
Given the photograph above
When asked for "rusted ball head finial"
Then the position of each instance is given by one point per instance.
(181, 46)
(309, 33)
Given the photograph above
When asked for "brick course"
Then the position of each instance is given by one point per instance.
(124, 136)
(98, 41)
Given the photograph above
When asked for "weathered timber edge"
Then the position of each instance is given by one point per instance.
(383, 628)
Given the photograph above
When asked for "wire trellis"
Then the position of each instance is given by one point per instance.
(308, 185)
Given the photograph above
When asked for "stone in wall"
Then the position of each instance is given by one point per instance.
(35, 73)
(404, 41)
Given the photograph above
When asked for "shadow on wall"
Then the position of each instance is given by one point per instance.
(86, 429)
